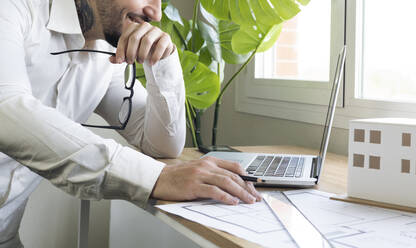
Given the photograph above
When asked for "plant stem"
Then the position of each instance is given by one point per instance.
(194, 17)
(236, 74)
(218, 102)
(180, 36)
(191, 123)
(219, 71)
(192, 110)
(198, 127)
(214, 128)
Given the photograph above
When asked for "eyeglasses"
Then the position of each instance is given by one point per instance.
(129, 79)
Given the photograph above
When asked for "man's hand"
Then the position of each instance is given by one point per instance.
(141, 41)
(205, 178)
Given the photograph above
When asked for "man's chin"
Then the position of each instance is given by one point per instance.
(112, 38)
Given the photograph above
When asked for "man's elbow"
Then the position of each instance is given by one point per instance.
(172, 152)
(172, 149)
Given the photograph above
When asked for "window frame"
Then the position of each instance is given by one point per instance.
(307, 101)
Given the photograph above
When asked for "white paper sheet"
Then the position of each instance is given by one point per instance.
(343, 224)
(253, 222)
(355, 225)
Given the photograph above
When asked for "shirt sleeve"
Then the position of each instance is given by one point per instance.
(157, 123)
(47, 142)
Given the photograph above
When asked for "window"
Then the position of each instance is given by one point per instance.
(374, 162)
(405, 166)
(302, 50)
(389, 51)
(359, 135)
(375, 137)
(358, 160)
(406, 139)
(379, 79)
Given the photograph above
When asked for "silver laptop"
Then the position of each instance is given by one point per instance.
(289, 169)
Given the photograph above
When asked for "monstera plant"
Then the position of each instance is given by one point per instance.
(220, 32)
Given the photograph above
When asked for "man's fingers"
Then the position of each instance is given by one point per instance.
(169, 51)
(227, 184)
(134, 42)
(231, 166)
(147, 43)
(211, 191)
(236, 178)
(161, 47)
(253, 191)
(122, 44)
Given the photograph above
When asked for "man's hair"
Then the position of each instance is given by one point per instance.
(85, 15)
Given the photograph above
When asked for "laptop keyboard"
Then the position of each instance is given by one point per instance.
(276, 166)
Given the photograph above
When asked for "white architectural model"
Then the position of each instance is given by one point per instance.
(382, 160)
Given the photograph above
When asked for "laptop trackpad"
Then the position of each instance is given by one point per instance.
(242, 158)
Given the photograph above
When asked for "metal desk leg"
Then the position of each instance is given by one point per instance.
(83, 224)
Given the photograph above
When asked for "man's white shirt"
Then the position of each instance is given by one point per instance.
(43, 98)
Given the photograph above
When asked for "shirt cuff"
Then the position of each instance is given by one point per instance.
(165, 75)
(131, 176)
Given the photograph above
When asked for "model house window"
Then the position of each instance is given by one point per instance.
(406, 139)
(405, 166)
(359, 135)
(358, 160)
(375, 137)
(293, 80)
(374, 162)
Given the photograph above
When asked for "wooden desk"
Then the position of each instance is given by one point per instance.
(333, 179)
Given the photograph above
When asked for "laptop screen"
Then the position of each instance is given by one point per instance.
(331, 109)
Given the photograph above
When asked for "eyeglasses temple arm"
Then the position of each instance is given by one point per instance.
(84, 50)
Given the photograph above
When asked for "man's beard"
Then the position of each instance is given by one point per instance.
(112, 37)
(111, 21)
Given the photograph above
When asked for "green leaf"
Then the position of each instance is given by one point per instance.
(173, 24)
(172, 14)
(201, 84)
(165, 3)
(219, 8)
(140, 74)
(198, 40)
(218, 36)
(212, 39)
(177, 32)
(259, 21)
(227, 30)
(206, 58)
(247, 40)
(303, 2)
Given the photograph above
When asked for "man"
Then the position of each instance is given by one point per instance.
(44, 97)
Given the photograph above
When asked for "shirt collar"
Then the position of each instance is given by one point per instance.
(63, 17)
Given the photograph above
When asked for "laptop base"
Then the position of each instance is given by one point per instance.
(219, 148)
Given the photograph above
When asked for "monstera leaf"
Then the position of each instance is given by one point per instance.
(250, 38)
(180, 30)
(260, 20)
(201, 84)
(218, 36)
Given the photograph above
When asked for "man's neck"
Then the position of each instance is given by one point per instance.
(89, 20)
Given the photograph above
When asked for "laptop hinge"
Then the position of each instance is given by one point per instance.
(314, 171)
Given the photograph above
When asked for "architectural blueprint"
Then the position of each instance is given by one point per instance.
(343, 224)
(354, 225)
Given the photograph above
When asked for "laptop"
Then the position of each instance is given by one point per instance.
(289, 169)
